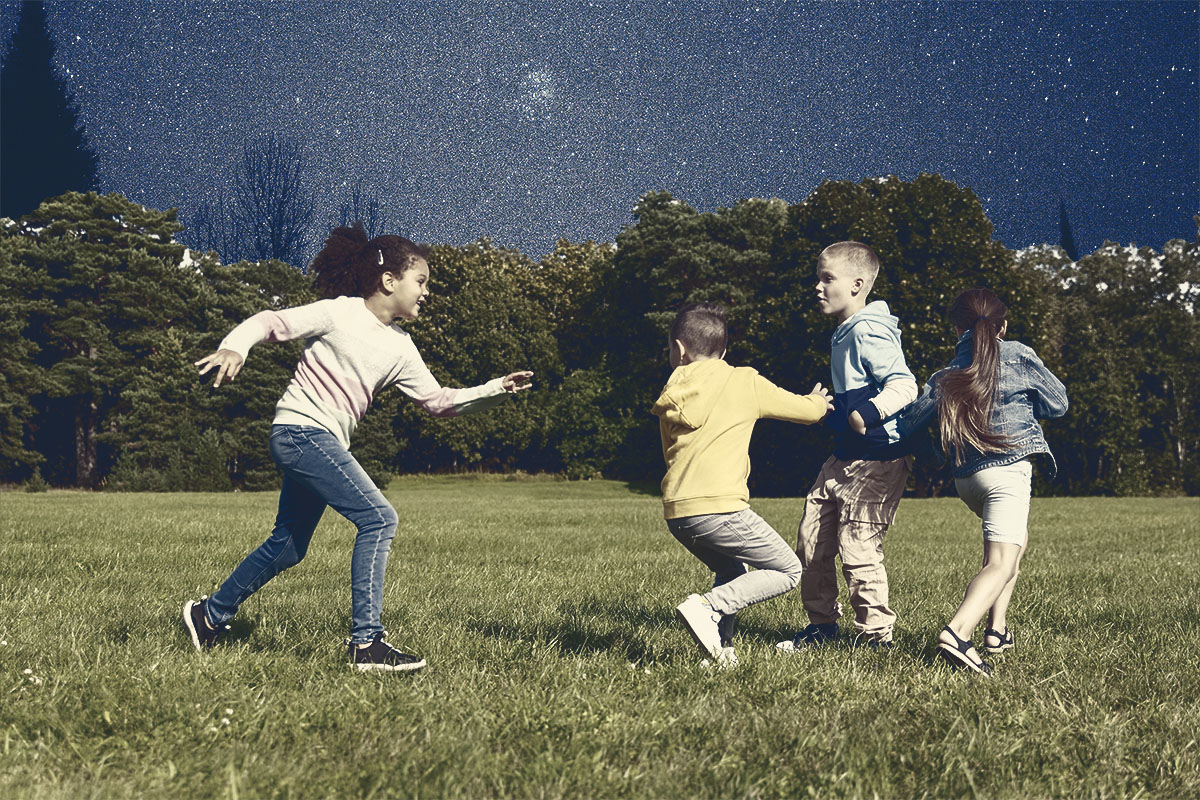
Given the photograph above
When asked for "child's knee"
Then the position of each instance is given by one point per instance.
(792, 577)
(293, 554)
(1006, 571)
(389, 519)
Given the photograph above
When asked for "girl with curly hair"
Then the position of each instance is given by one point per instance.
(354, 350)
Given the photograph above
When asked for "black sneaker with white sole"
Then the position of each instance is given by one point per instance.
(379, 655)
(196, 624)
(813, 635)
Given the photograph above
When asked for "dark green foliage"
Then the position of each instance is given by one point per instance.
(1129, 356)
(19, 373)
(481, 322)
(180, 433)
(104, 315)
(109, 314)
(101, 280)
(36, 483)
(181, 449)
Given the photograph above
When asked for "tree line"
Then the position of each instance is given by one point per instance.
(104, 309)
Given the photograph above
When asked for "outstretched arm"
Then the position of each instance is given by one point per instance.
(777, 403)
(442, 401)
(300, 322)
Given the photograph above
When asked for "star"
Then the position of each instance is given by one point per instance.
(505, 121)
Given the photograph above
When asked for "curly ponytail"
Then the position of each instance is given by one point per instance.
(967, 396)
(349, 264)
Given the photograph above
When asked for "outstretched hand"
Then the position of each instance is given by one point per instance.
(227, 363)
(824, 393)
(517, 381)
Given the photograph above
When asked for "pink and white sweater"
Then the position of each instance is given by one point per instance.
(350, 356)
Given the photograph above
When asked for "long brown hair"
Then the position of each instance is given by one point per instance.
(350, 264)
(967, 396)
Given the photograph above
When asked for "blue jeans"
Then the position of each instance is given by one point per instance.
(727, 544)
(318, 472)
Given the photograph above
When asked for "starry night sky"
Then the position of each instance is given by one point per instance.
(542, 120)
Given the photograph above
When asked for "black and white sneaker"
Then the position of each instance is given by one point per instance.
(813, 635)
(379, 655)
(196, 624)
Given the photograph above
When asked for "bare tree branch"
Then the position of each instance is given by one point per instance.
(273, 208)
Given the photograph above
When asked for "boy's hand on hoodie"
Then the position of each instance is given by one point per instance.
(824, 393)
(858, 424)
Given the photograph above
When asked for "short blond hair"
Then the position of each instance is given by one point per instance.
(863, 260)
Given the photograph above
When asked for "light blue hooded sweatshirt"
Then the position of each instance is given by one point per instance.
(866, 355)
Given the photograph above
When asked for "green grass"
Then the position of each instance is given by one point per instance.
(556, 668)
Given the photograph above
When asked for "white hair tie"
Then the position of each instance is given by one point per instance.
(381, 258)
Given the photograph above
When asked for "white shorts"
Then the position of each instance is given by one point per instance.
(1000, 497)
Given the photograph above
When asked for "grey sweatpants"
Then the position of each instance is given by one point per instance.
(727, 544)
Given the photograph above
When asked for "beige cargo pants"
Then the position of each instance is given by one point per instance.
(847, 513)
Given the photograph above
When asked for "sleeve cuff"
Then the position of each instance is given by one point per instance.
(869, 414)
(238, 348)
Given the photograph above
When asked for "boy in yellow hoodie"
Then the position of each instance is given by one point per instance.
(706, 414)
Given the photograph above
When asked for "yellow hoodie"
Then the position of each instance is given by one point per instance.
(706, 414)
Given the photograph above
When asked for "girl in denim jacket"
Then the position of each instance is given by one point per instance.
(987, 402)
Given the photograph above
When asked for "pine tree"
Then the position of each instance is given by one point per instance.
(20, 377)
(107, 278)
(42, 146)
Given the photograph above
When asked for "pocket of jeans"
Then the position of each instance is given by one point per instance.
(730, 532)
(284, 450)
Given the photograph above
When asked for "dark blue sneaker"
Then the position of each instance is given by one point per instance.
(195, 622)
(812, 636)
(379, 655)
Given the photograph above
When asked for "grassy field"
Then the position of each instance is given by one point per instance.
(556, 668)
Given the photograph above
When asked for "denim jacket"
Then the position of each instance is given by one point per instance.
(1027, 392)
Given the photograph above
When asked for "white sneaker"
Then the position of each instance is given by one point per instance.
(726, 659)
(701, 621)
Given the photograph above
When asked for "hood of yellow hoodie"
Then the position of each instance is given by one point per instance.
(692, 391)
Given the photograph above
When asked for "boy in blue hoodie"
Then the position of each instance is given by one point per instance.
(854, 499)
